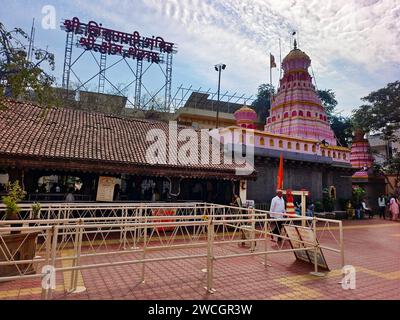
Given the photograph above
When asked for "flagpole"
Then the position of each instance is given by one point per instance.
(280, 59)
(270, 69)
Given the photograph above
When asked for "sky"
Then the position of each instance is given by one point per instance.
(354, 45)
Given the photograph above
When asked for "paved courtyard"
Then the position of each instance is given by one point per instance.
(371, 246)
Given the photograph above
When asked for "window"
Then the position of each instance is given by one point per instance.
(286, 115)
(305, 147)
(329, 154)
(273, 118)
(314, 148)
(289, 145)
(262, 142)
(271, 142)
(334, 155)
(280, 144)
(323, 153)
(294, 113)
(344, 156)
(301, 113)
(308, 114)
(297, 146)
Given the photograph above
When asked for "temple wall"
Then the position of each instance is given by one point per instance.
(295, 177)
(311, 177)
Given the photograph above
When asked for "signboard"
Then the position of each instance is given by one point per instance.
(300, 233)
(105, 189)
(93, 36)
(292, 233)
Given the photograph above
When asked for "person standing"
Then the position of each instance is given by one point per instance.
(382, 206)
(277, 210)
(70, 196)
(394, 208)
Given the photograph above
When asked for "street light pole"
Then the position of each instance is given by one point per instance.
(219, 68)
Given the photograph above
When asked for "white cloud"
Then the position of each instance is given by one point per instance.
(240, 33)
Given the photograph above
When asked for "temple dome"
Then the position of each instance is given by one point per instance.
(296, 54)
(245, 117)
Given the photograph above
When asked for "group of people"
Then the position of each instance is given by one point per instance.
(389, 204)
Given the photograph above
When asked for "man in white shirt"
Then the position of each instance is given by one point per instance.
(276, 211)
(366, 209)
(382, 206)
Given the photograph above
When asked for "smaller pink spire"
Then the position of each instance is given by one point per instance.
(246, 117)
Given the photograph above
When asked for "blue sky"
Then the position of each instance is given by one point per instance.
(354, 44)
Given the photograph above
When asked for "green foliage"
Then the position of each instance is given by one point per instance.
(328, 202)
(343, 129)
(14, 195)
(382, 111)
(318, 207)
(23, 78)
(341, 126)
(329, 101)
(357, 195)
(36, 207)
(262, 103)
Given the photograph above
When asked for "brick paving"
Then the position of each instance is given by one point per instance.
(371, 246)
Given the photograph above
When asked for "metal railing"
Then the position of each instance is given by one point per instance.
(139, 233)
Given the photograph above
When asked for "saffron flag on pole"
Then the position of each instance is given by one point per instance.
(279, 185)
(272, 63)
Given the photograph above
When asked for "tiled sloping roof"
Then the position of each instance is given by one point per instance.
(29, 130)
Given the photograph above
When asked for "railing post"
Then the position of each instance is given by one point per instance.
(49, 233)
(253, 232)
(144, 249)
(341, 242)
(77, 253)
(210, 254)
(125, 222)
(266, 241)
(53, 256)
(315, 245)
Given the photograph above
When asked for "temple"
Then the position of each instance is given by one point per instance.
(362, 160)
(297, 110)
(298, 128)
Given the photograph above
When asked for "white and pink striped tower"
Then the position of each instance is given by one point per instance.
(361, 156)
(296, 110)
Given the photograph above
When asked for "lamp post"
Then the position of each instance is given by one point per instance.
(219, 68)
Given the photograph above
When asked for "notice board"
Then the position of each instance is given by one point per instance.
(300, 233)
(105, 189)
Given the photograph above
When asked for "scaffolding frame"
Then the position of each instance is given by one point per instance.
(138, 100)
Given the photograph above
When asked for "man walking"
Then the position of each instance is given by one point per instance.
(276, 211)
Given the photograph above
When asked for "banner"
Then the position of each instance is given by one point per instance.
(105, 189)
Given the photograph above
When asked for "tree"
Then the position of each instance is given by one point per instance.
(341, 126)
(343, 129)
(329, 101)
(262, 103)
(21, 76)
(382, 111)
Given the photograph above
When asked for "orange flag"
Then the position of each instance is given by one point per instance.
(280, 174)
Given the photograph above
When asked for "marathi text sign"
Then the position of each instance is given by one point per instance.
(112, 42)
(105, 189)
